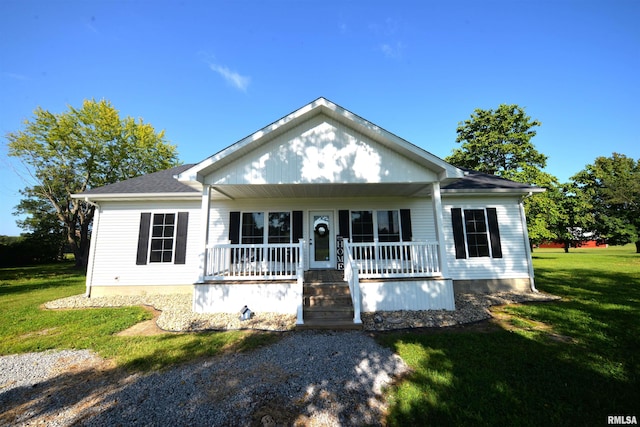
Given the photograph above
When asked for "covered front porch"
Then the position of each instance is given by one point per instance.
(408, 273)
(383, 276)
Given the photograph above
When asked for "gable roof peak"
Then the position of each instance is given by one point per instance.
(335, 112)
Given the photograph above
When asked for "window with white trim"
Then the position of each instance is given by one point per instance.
(279, 227)
(388, 226)
(162, 237)
(476, 233)
(383, 226)
(276, 229)
(362, 226)
(252, 230)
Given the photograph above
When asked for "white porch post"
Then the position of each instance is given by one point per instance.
(204, 230)
(439, 222)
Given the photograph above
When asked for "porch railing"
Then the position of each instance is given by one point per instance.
(250, 262)
(395, 259)
(351, 276)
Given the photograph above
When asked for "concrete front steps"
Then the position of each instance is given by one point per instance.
(327, 302)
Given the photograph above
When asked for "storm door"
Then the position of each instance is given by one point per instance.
(322, 240)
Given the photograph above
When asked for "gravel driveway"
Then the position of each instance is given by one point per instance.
(307, 378)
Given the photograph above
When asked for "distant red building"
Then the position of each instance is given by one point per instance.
(583, 244)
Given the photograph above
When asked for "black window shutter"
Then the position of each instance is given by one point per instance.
(296, 226)
(405, 224)
(343, 223)
(234, 227)
(494, 232)
(143, 238)
(181, 238)
(458, 233)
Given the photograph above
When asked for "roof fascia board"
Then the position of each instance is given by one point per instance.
(137, 196)
(493, 192)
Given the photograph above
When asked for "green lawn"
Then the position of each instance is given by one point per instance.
(571, 362)
(26, 327)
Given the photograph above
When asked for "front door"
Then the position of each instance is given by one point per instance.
(322, 241)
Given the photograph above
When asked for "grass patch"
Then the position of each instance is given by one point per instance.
(573, 362)
(26, 327)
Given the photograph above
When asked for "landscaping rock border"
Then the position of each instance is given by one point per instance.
(177, 315)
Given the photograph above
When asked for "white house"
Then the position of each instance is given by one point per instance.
(319, 189)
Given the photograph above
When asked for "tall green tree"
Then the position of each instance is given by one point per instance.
(80, 149)
(497, 142)
(42, 224)
(543, 210)
(576, 215)
(613, 186)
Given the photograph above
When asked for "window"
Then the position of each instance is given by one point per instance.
(384, 226)
(388, 226)
(162, 236)
(476, 233)
(253, 228)
(249, 227)
(279, 227)
(361, 226)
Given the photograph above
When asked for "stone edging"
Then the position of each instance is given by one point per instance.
(177, 315)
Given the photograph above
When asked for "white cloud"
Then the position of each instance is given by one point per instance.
(15, 76)
(392, 51)
(235, 79)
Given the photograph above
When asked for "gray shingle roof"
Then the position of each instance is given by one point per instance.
(475, 180)
(164, 182)
(157, 182)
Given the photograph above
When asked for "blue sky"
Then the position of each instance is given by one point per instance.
(212, 72)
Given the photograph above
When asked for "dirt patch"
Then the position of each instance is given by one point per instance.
(42, 332)
(145, 328)
(275, 412)
(513, 323)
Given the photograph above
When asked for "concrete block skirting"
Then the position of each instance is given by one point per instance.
(135, 290)
(487, 286)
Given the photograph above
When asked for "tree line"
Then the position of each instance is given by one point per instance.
(601, 201)
(92, 146)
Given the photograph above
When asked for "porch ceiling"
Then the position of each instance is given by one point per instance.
(279, 191)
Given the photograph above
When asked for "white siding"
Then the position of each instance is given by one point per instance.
(407, 295)
(321, 150)
(268, 297)
(512, 265)
(115, 250)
